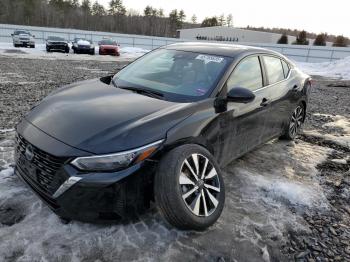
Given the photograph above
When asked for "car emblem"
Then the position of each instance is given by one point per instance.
(29, 153)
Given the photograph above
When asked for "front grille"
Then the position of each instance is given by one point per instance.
(42, 170)
(110, 51)
(24, 39)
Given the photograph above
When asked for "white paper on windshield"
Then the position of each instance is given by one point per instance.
(83, 42)
(210, 58)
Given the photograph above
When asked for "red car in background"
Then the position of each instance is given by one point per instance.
(108, 47)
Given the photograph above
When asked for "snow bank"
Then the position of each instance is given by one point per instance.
(339, 69)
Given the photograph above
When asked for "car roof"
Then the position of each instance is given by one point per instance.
(229, 50)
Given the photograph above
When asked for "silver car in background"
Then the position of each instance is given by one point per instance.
(23, 38)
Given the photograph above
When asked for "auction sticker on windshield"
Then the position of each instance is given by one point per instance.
(210, 58)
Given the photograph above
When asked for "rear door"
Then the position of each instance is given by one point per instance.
(279, 91)
(245, 123)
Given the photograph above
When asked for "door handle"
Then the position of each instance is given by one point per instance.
(265, 102)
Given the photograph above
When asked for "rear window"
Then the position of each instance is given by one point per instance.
(274, 69)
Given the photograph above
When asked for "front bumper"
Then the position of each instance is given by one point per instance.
(57, 47)
(84, 50)
(24, 42)
(108, 52)
(88, 197)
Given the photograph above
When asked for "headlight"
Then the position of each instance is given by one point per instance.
(115, 161)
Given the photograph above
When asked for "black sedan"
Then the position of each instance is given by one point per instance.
(83, 46)
(160, 130)
(55, 43)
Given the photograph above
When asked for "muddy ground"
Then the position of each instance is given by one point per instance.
(284, 201)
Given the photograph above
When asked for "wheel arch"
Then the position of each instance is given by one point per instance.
(200, 141)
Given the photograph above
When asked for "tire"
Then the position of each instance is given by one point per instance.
(48, 50)
(295, 123)
(174, 183)
(92, 53)
(32, 46)
(67, 50)
(118, 54)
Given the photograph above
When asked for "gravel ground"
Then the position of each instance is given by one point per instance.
(285, 200)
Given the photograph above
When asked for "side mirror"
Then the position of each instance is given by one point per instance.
(240, 95)
(12, 34)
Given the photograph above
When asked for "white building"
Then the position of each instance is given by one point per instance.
(224, 33)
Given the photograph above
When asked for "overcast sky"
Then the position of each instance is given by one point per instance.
(314, 16)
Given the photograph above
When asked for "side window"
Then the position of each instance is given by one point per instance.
(247, 74)
(285, 68)
(274, 69)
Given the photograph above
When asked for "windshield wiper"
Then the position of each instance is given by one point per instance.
(148, 92)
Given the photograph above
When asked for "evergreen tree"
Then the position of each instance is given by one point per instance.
(147, 11)
(283, 39)
(222, 20)
(208, 22)
(116, 7)
(181, 18)
(229, 20)
(341, 41)
(301, 39)
(320, 40)
(86, 6)
(97, 9)
(194, 19)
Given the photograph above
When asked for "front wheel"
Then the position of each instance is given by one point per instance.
(295, 123)
(189, 189)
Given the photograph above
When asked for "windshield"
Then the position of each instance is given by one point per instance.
(107, 42)
(76, 40)
(22, 33)
(55, 38)
(178, 75)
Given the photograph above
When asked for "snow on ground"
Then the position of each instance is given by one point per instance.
(338, 121)
(39, 52)
(258, 193)
(338, 69)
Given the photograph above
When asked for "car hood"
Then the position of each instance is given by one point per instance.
(101, 119)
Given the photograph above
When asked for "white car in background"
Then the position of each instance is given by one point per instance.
(83, 46)
(23, 38)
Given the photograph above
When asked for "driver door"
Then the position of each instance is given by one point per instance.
(244, 124)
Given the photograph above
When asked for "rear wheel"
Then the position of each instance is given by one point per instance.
(189, 189)
(295, 123)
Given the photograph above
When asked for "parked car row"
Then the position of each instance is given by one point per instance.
(23, 38)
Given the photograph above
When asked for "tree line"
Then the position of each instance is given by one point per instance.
(88, 15)
(319, 40)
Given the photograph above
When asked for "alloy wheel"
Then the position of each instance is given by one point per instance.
(199, 185)
(296, 121)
